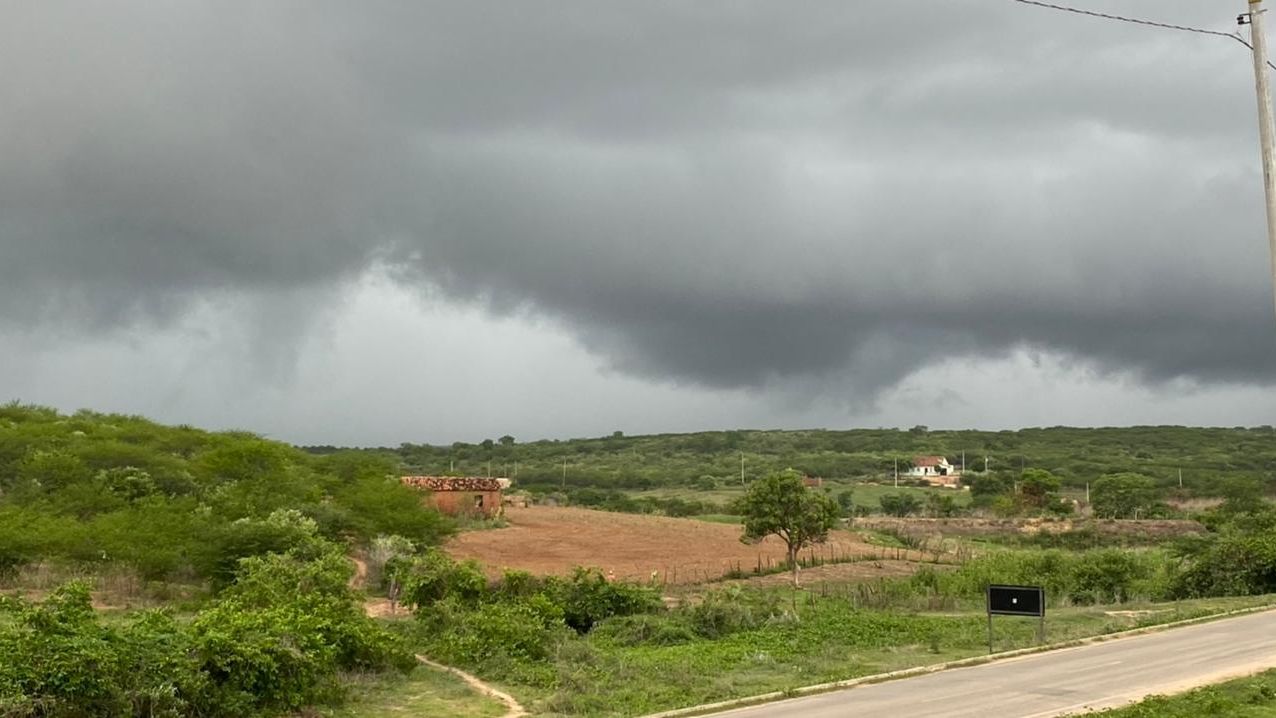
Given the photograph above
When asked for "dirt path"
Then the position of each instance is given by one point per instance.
(378, 607)
(512, 707)
(373, 606)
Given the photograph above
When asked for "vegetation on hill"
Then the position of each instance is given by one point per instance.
(177, 503)
(1206, 456)
(260, 531)
(256, 530)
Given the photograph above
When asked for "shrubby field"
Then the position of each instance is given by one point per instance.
(243, 552)
(177, 503)
(251, 535)
(1208, 457)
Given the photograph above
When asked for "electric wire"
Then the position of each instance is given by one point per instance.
(1139, 21)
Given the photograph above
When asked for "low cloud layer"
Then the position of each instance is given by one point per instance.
(724, 194)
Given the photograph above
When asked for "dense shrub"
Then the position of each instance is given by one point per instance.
(60, 660)
(466, 620)
(98, 488)
(587, 597)
(434, 576)
(274, 641)
(1079, 577)
(1234, 563)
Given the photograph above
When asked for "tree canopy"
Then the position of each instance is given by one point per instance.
(781, 505)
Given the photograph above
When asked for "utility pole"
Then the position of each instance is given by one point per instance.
(1180, 478)
(897, 472)
(742, 468)
(1266, 129)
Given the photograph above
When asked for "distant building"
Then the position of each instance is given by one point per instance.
(812, 482)
(936, 471)
(461, 495)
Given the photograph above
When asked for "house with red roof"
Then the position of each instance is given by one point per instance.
(936, 471)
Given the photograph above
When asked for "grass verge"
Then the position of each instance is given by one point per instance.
(1252, 697)
(423, 692)
(613, 674)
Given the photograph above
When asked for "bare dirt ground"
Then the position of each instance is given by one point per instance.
(551, 541)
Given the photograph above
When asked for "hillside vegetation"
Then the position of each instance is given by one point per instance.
(178, 503)
(1206, 456)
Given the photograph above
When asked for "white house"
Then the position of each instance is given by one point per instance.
(936, 470)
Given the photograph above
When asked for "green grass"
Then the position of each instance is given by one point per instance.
(423, 692)
(870, 495)
(719, 518)
(866, 495)
(1253, 697)
(605, 675)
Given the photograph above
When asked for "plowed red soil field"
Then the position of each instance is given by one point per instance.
(551, 541)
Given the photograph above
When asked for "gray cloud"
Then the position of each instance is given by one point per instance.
(732, 194)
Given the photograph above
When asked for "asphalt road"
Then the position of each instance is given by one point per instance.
(1055, 683)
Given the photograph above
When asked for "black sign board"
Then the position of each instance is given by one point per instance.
(1016, 601)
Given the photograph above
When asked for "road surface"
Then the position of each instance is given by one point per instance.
(1055, 683)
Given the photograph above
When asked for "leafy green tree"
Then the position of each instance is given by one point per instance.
(899, 504)
(377, 505)
(846, 502)
(941, 505)
(1242, 496)
(1037, 486)
(986, 487)
(781, 505)
(1123, 496)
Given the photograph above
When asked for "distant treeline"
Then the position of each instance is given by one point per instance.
(1204, 456)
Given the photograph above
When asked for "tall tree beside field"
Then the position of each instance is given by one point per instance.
(1037, 487)
(781, 505)
(1123, 496)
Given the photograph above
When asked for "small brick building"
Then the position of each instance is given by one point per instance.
(461, 495)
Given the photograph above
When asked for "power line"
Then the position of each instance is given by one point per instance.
(1139, 21)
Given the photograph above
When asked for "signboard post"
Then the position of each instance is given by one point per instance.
(1017, 601)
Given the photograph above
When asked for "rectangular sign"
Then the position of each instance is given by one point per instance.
(1016, 600)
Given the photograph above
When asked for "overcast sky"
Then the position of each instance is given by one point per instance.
(377, 222)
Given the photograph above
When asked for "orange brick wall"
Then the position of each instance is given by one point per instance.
(459, 503)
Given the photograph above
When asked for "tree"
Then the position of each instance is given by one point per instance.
(1036, 487)
(781, 505)
(985, 488)
(846, 501)
(941, 506)
(1122, 496)
(899, 504)
(506, 440)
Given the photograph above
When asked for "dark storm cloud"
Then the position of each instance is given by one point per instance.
(728, 193)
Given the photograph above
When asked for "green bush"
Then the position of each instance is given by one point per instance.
(434, 576)
(1079, 577)
(519, 630)
(587, 597)
(274, 641)
(59, 660)
(1233, 563)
